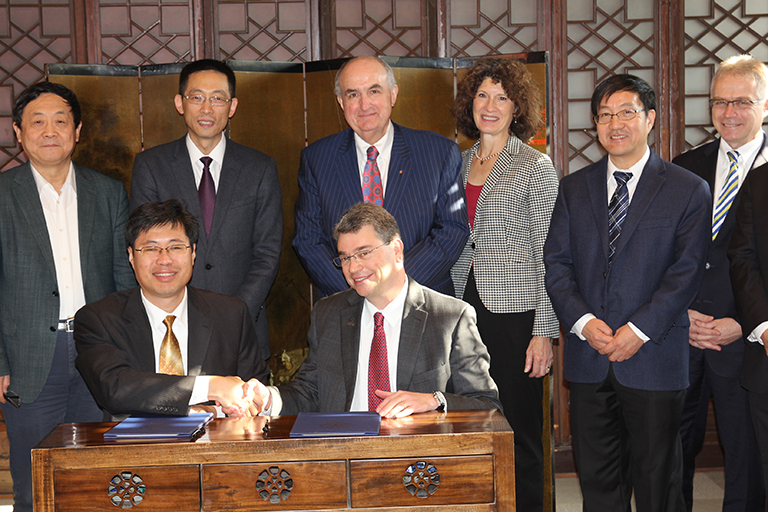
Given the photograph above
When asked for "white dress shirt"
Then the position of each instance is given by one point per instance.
(637, 171)
(217, 154)
(180, 329)
(60, 211)
(384, 147)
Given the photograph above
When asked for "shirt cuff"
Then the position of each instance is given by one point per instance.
(579, 325)
(756, 336)
(640, 334)
(276, 405)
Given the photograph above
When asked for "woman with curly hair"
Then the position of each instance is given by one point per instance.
(511, 190)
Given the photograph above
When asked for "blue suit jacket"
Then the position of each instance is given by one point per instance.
(423, 193)
(655, 275)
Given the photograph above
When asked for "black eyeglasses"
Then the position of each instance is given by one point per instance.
(156, 251)
(624, 115)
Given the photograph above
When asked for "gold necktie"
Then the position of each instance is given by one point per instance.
(170, 353)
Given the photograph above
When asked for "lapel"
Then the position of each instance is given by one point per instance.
(231, 168)
(709, 164)
(503, 165)
(28, 202)
(86, 214)
(183, 178)
(399, 174)
(597, 190)
(200, 330)
(411, 333)
(349, 319)
(651, 180)
(346, 172)
(138, 331)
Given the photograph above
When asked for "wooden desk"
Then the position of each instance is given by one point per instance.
(458, 461)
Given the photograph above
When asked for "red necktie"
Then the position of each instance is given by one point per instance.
(207, 194)
(378, 367)
(372, 191)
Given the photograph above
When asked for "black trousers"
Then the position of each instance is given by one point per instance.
(625, 439)
(758, 408)
(743, 474)
(507, 336)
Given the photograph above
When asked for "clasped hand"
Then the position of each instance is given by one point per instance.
(236, 397)
(618, 347)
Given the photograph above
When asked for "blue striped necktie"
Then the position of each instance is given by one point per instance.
(617, 210)
(727, 193)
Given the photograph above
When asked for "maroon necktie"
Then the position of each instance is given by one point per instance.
(207, 194)
(378, 367)
(372, 191)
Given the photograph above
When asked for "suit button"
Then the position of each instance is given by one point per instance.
(473, 245)
(55, 293)
(208, 266)
(602, 309)
(706, 267)
(53, 329)
(605, 274)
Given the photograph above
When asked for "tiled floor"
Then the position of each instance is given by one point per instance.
(707, 496)
(707, 493)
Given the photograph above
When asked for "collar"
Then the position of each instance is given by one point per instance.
(157, 315)
(636, 169)
(383, 145)
(217, 154)
(42, 183)
(392, 310)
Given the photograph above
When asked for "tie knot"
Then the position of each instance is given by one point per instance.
(733, 156)
(169, 321)
(622, 177)
(378, 319)
(373, 153)
(206, 162)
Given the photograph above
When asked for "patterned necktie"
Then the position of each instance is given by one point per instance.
(372, 191)
(207, 194)
(727, 193)
(170, 353)
(378, 367)
(617, 210)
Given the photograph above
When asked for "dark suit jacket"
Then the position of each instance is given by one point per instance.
(423, 193)
(242, 255)
(656, 272)
(440, 350)
(715, 296)
(29, 297)
(749, 273)
(117, 360)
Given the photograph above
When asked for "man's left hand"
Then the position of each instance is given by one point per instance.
(625, 344)
(404, 403)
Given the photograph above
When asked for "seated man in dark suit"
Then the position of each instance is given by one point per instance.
(164, 347)
(417, 177)
(388, 344)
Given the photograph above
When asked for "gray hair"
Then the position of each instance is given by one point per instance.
(391, 82)
(745, 66)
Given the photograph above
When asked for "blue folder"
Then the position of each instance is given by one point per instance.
(156, 426)
(330, 424)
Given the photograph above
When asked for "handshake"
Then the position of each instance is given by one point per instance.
(238, 398)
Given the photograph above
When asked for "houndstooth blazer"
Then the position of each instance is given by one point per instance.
(511, 223)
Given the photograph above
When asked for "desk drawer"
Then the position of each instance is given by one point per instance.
(153, 488)
(275, 486)
(411, 482)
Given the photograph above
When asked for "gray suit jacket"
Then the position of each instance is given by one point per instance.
(29, 297)
(116, 356)
(243, 252)
(440, 350)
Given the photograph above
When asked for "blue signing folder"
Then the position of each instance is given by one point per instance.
(327, 424)
(152, 426)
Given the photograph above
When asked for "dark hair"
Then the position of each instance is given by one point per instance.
(150, 215)
(620, 83)
(367, 214)
(206, 65)
(33, 92)
(519, 85)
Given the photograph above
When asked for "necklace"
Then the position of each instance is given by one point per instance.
(483, 160)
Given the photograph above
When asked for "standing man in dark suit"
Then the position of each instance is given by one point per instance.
(624, 259)
(414, 174)
(739, 103)
(388, 344)
(749, 276)
(61, 246)
(165, 347)
(233, 191)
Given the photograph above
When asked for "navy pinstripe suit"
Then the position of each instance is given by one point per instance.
(423, 193)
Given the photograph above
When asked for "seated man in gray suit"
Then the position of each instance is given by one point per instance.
(388, 344)
(163, 347)
(233, 191)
